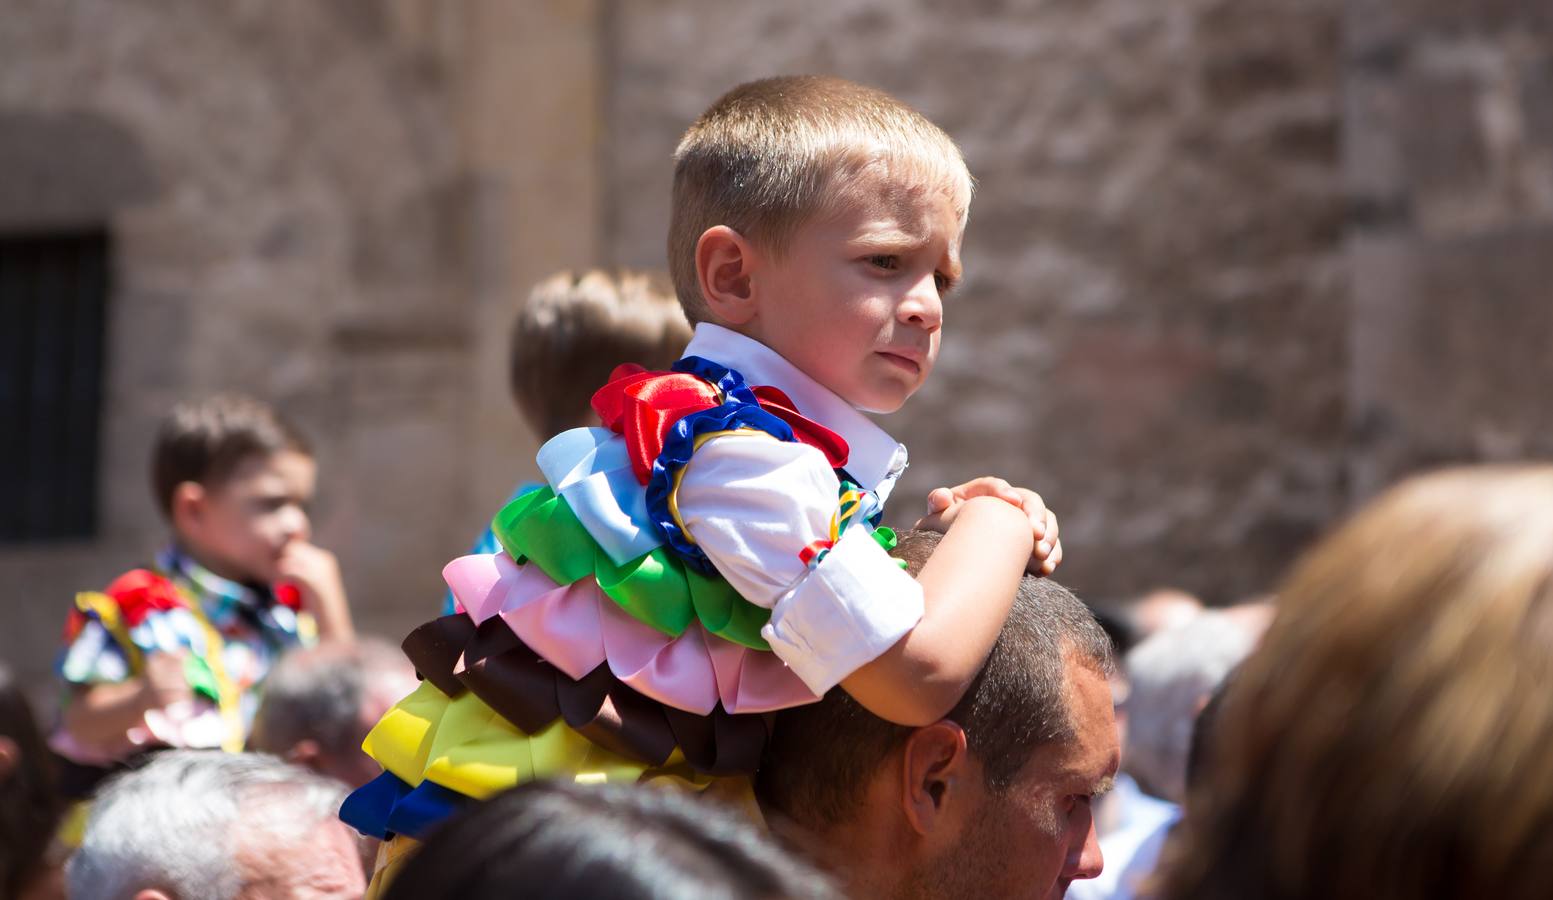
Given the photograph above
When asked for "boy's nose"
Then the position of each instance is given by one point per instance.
(295, 524)
(923, 307)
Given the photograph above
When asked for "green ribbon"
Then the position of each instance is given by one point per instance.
(656, 588)
(201, 679)
(886, 538)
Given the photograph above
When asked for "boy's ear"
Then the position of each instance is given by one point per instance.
(188, 506)
(724, 262)
(934, 769)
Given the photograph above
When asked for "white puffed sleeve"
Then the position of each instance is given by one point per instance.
(753, 504)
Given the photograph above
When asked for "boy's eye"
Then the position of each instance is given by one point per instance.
(943, 281)
(885, 261)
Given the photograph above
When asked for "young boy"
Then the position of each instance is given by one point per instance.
(566, 340)
(712, 553)
(173, 655)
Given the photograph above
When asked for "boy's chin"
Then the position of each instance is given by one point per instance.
(883, 405)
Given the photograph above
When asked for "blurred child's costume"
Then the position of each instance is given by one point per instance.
(229, 632)
(641, 620)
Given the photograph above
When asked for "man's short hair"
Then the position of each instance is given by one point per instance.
(204, 441)
(574, 331)
(822, 756)
(316, 693)
(769, 155)
(174, 824)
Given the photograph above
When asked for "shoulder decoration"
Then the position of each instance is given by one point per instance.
(599, 643)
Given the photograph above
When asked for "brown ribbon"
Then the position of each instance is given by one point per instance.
(495, 665)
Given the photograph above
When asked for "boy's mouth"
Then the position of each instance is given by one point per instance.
(909, 360)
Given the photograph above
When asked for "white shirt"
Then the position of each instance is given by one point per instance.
(754, 504)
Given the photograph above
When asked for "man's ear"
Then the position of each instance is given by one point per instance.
(188, 506)
(305, 753)
(934, 769)
(724, 262)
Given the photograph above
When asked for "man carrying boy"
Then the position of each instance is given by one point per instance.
(172, 655)
(712, 553)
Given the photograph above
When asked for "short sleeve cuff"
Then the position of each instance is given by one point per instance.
(850, 608)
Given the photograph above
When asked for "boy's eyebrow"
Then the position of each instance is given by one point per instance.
(895, 237)
(892, 236)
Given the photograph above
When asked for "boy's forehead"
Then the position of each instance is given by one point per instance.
(907, 185)
(903, 210)
(285, 470)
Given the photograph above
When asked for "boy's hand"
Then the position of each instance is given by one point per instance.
(316, 574)
(944, 503)
(163, 683)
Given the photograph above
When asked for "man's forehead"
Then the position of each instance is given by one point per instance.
(1089, 756)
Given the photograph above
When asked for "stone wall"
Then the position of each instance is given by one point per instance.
(291, 215)
(1449, 136)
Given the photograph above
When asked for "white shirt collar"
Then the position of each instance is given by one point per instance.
(874, 457)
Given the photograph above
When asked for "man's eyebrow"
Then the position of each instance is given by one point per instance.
(1104, 787)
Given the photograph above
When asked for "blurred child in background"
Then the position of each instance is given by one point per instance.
(172, 655)
(570, 335)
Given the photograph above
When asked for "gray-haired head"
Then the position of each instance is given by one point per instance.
(320, 702)
(175, 824)
(1172, 674)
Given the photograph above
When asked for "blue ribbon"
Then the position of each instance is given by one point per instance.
(739, 409)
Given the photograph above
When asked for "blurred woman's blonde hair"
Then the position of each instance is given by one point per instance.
(1393, 736)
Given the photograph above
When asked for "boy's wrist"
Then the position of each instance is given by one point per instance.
(998, 513)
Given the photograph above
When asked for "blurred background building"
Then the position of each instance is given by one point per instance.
(1233, 266)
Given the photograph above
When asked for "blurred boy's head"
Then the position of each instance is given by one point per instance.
(235, 481)
(823, 219)
(574, 331)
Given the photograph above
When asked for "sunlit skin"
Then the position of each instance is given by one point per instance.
(254, 526)
(242, 527)
(856, 298)
(322, 865)
(1067, 778)
(930, 826)
(1037, 836)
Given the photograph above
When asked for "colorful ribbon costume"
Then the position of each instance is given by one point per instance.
(227, 633)
(600, 644)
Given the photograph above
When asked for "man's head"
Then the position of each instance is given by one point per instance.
(215, 826)
(992, 801)
(574, 331)
(319, 703)
(1171, 676)
(235, 480)
(823, 219)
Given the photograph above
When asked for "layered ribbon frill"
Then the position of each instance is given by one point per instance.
(601, 644)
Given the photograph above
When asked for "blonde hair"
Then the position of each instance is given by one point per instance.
(770, 155)
(574, 331)
(1391, 737)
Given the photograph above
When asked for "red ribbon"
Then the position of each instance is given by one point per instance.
(140, 592)
(642, 406)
